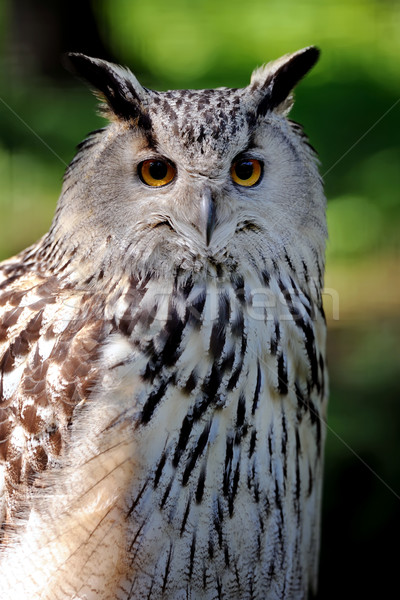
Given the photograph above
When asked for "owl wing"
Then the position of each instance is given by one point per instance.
(49, 341)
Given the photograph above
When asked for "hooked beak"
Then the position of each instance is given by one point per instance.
(208, 216)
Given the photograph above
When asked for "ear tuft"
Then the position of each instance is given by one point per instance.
(273, 83)
(120, 89)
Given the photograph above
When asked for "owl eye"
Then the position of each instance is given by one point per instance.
(246, 171)
(156, 172)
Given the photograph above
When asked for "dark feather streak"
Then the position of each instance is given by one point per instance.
(282, 376)
(185, 516)
(196, 453)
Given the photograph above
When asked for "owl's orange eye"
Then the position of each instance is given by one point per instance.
(156, 172)
(246, 171)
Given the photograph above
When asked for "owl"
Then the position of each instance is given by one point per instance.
(162, 354)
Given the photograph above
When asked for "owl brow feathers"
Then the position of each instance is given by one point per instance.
(118, 86)
(126, 99)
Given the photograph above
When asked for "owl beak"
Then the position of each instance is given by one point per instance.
(208, 216)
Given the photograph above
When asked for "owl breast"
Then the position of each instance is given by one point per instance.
(227, 427)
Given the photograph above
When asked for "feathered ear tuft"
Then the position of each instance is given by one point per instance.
(273, 83)
(124, 96)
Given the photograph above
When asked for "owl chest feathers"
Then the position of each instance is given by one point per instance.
(221, 382)
(202, 411)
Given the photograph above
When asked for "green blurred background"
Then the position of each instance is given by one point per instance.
(350, 107)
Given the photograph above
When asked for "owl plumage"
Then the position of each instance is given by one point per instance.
(162, 354)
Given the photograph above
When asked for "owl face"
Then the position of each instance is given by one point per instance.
(192, 177)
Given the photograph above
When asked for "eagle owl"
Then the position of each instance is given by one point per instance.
(162, 354)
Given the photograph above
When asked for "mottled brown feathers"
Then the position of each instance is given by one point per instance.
(50, 366)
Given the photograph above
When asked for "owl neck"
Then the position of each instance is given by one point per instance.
(105, 266)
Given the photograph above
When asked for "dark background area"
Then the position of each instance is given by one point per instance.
(350, 107)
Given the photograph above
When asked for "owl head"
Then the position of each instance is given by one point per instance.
(189, 178)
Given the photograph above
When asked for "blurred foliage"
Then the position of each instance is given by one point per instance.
(192, 40)
(350, 106)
